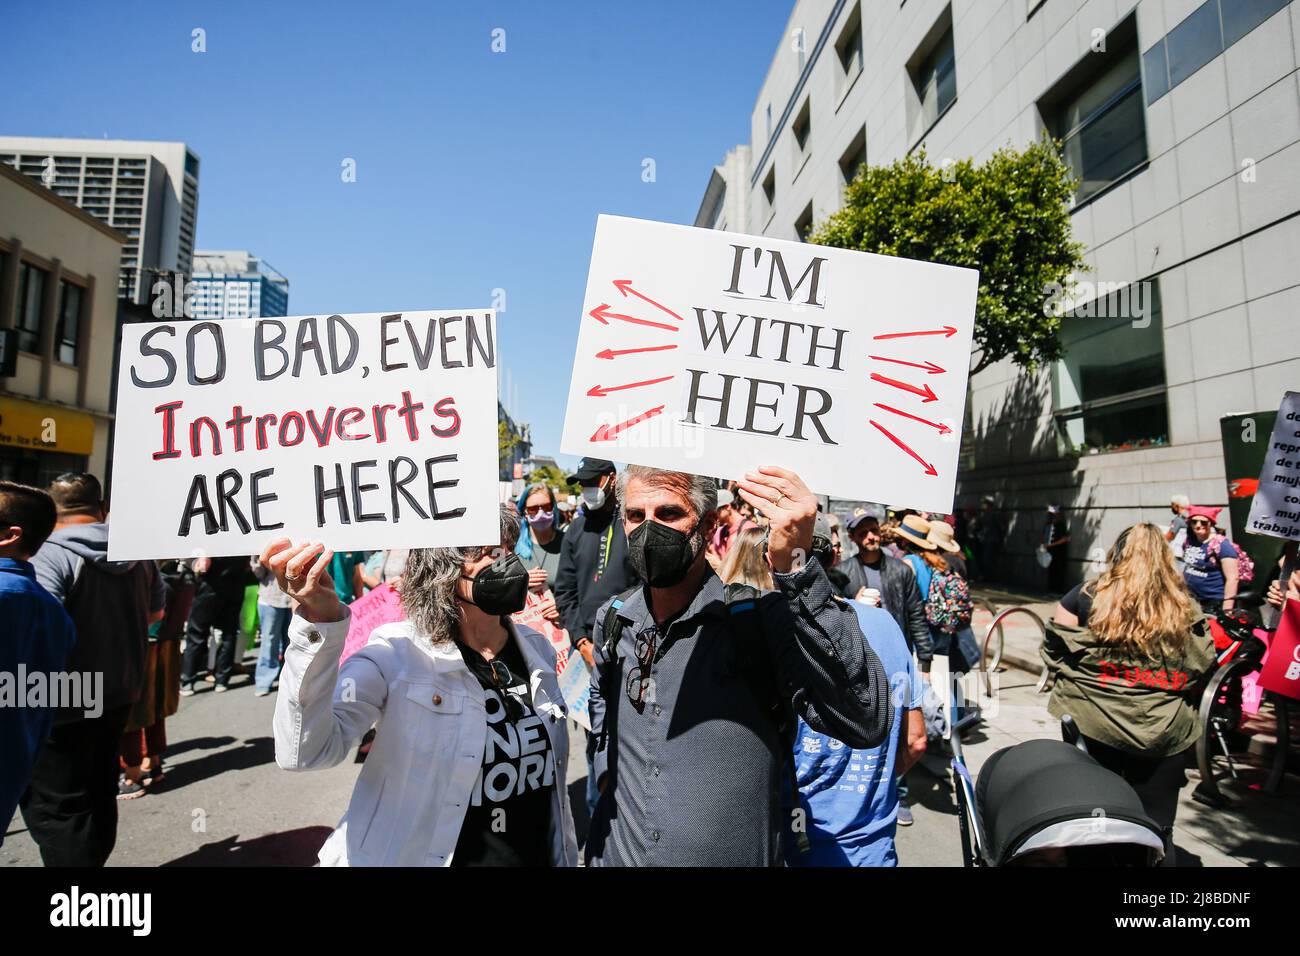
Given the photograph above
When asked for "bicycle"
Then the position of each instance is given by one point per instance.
(1227, 728)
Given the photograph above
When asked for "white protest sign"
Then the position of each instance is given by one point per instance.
(1275, 510)
(713, 352)
(362, 431)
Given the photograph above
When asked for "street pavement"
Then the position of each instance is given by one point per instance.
(226, 803)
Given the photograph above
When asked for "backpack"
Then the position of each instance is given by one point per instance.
(948, 606)
(1245, 566)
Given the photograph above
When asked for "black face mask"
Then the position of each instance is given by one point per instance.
(661, 555)
(501, 587)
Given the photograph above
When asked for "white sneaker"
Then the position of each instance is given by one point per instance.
(221, 688)
(261, 693)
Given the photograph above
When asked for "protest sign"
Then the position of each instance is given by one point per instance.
(362, 431)
(713, 352)
(1275, 510)
(570, 669)
(382, 605)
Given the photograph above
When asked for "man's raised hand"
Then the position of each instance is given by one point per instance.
(791, 510)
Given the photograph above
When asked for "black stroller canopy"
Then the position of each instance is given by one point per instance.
(1047, 793)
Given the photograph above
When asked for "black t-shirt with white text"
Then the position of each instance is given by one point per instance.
(508, 821)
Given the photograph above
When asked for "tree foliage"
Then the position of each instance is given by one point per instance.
(1007, 217)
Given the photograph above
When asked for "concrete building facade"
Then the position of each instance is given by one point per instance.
(235, 284)
(1181, 119)
(58, 311)
(149, 191)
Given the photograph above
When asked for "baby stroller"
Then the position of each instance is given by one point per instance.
(1048, 803)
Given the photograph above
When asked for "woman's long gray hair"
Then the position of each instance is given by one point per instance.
(428, 585)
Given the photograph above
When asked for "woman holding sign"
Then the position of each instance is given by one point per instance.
(467, 767)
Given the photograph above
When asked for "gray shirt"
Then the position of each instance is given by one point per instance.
(694, 777)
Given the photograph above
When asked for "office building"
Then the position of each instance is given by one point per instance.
(1181, 121)
(147, 191)
(58, 318)
(236, 285)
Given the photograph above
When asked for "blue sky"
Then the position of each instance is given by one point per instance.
(475, 170)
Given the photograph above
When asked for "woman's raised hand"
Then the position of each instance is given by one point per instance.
(300, 570)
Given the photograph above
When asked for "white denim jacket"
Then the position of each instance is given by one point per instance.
(431, 727)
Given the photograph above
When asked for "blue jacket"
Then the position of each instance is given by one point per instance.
(38, 637)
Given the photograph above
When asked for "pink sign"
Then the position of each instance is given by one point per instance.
(380, 606)
(570, 669)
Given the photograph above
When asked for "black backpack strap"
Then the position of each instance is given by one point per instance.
(611, 628)
(611, 632)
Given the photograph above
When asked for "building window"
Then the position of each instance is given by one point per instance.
(1108, 392)
(1096, 112)
(1194, 42)
(849, 50)
(935, 77)
(1155, 72)
(31, 297)
(854, 157)
(68, 325)
(802, 130)
(769, 122)
(1242, 16)
(803, 225)
(769, 188)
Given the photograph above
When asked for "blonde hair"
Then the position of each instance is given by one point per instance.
(1141, 601)
(745, 563)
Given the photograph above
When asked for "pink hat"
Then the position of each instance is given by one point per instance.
(1204, 511)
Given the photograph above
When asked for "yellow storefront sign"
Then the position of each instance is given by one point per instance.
(45, 427)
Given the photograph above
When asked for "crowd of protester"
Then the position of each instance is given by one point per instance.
(760, 667)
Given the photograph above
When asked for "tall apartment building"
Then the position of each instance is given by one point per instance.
(1181, 119)
(148, 191)
(236, 285)
(58, 315)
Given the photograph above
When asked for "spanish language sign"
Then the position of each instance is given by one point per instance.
(362, 431)
(713, 352)
(1275, 510)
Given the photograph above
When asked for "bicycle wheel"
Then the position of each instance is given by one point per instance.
(1223, 750)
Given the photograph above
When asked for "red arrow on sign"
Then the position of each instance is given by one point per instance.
(943, 429)
(607, 432)
(947, 332)
(926, 393)
(614, 353)
(602, 315)
(929, 468)
(928, 366)
(625, 286)
(598, 391)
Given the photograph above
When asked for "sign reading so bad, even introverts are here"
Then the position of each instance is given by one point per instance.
(713, 352)
(361, 431)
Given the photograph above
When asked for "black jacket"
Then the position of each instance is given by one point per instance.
(583, 582)
(901, 597)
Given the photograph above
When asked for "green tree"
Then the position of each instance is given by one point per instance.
(1007, 217)
(506, 442)
(555, 478)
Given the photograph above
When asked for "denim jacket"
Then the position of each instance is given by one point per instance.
(431, 727)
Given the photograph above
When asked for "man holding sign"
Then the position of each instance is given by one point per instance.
(694, 698)
(705, 352)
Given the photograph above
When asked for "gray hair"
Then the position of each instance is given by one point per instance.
(1181, 500)
(428, 587)
(700, 492)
